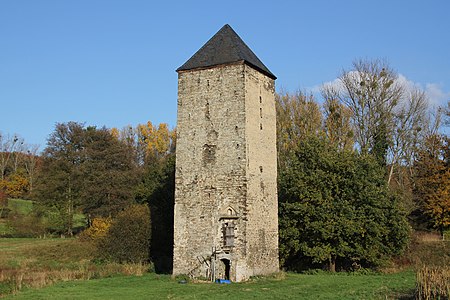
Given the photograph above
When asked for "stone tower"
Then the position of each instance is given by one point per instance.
(226, 210)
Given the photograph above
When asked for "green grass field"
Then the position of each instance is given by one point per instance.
(36, 258)
(65, 269)
(24, 208)
(292, 286)
(20, 206)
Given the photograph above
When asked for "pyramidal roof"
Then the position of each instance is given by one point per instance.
(223, 48)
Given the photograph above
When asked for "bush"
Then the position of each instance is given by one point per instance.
(4, 212)
(98, 229)
(128, 238)
(3, 203)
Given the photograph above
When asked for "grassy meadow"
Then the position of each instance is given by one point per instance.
(282, 286)
(23, 207)
(36, 263)
(58, 268)
(65, 268)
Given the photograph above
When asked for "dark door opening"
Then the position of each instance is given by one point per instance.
(227, 266)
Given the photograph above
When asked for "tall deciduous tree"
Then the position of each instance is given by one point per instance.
(298, 117)
(110, 173)
(85, 169)
(409, 129)
(32, 162)
(432, 180)
(157, 142)
(7, 148)
(371, 91)
(338, 127)
(61, 183)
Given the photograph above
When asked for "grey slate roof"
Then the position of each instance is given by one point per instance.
(223, 48)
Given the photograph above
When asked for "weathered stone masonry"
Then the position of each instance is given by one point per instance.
(226, 222)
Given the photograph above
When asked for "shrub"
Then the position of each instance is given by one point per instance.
(98, 229)
(3, 203)
(128, 238)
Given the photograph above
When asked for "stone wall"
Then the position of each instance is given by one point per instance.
(225, 173)
(262, 200)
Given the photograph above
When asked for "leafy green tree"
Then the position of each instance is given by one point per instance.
(110, 173)
(85, 169)
(335, 208)
(60, 185)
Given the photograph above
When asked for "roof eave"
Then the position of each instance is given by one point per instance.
(268, 74)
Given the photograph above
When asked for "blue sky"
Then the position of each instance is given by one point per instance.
(112, 63)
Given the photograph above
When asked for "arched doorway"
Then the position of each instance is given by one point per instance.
(227, 268)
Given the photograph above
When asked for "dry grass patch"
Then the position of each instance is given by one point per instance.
(433, 283)
(35, 263)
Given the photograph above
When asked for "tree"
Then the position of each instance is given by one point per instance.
(32, 162)
(156, 142)
(335, 208)
(337, 120)
(110, 173)
(7, 147)
(389, 119)
(16, 185)
(17, 154)
(432, 181)
(61, 183)
(410, 122)
(298, 117)
(371, 90)
(86, 169)
(159, 178)
(447, 114)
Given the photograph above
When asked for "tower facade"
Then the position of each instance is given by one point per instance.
(226, 209)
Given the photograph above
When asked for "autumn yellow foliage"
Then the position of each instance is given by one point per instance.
(15, 185)
(98, 229)
(156, 141)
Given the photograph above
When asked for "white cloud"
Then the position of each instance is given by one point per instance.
(402, 80)
(436, 95)
(336, 83)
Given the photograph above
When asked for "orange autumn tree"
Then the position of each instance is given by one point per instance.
(433, 181)
(17, 185)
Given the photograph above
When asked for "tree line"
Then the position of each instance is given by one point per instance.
(357, 168)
